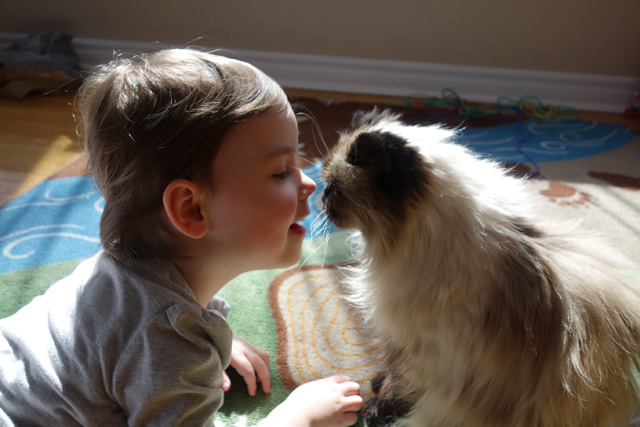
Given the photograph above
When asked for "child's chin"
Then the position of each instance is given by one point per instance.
(291, 258)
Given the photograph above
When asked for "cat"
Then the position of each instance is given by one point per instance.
(489, 316)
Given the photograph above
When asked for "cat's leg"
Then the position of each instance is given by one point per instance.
(388, 403)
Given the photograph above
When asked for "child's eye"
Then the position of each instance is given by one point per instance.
(282, 175)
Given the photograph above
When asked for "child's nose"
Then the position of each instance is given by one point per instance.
(307, 187)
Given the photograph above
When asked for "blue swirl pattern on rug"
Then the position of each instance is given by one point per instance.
(546, 140)
(55, 221)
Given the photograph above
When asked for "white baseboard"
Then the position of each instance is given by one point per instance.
(592, 92)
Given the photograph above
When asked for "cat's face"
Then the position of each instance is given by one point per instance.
(373, 175)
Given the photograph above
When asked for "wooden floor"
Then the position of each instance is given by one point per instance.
(37, 136)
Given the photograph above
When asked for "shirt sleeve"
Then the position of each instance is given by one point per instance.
(219, 305)
(171, 372)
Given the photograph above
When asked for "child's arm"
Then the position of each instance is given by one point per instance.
(252, 363)
(329, 402)
(170, 372)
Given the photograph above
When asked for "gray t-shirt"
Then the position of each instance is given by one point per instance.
(114, 346)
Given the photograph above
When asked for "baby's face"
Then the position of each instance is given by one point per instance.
(260, 193)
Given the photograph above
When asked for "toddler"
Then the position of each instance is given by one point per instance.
(195, 155)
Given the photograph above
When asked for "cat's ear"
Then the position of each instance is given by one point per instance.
(362, 118)
(368, 118)
(368, 150)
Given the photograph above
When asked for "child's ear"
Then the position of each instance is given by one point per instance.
(181, 200)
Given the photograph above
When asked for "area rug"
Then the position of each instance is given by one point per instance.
(585, 171)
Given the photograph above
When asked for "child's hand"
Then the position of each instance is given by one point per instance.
(329, 402)
(249, 361)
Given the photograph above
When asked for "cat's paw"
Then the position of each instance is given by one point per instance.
(377, 413)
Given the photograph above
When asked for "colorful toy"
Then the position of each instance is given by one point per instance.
(526, 106)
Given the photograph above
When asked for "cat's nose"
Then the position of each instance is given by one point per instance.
(326, 193)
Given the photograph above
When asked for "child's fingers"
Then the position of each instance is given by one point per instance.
(250, 380)
(252, 363)
(226, 382)
(260, 365)
(241, 363)
(253, 369)
(353, 403)
(264, 355)
(350, 388)
(347, 387)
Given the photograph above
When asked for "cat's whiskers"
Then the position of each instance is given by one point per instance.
(319, 226)
(307, 161)
(326, 233)
(319, 223)
(317, 135)
(324, 243)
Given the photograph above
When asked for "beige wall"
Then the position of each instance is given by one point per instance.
(581, 36)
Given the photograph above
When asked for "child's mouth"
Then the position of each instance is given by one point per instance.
(298, 229)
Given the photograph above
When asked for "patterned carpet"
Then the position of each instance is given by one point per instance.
(587, 171)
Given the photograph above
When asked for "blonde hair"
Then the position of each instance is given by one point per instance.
(150, 119)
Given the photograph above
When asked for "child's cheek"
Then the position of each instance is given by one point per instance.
(287, 208)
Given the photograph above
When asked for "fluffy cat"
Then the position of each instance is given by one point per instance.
(489, 316)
